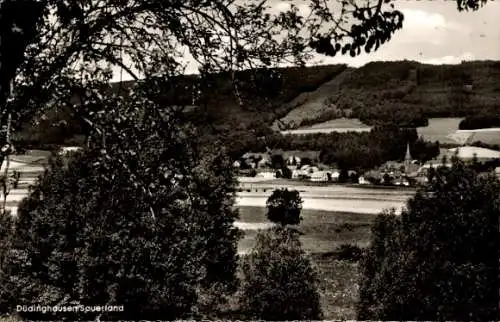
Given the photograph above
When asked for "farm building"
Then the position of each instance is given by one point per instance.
(266, 174)
(297, 174)
(320, 176)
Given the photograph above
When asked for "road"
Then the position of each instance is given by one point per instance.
(332, 198)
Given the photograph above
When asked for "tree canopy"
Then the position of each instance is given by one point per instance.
(439, 259)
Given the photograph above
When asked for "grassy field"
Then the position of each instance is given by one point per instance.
(323, 232)
(439, 128)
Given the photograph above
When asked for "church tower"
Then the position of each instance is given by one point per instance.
(408, 158)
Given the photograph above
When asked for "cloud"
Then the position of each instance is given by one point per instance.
(449, 59)
(421, 26)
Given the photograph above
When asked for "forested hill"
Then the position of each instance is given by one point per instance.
(402, 92)
(405, 92)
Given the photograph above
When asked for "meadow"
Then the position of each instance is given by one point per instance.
(438, 129)
(323, 232)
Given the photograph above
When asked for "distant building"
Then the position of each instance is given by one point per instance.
(362, 180)
(264, 162)
(424, 170)
(497, 172)
(266, 174)
(335, 175)
(320, 176)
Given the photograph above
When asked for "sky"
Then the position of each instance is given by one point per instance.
(434, 32)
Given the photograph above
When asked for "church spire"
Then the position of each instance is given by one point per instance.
(408, 155)
(408, 158)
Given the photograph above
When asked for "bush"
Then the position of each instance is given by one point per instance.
(479, 122)
(349, 252)
(439, 259)
(279, 282)
(284, 207)
(286, 173)
(6, 234)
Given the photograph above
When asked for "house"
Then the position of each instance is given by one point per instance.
(266, 174)
(298, 174)
(423, 171)
(313, 169)
(264, 162)
(401, 182)
(320, 176)
(69, 149)
(497, 172)
(362, 180)
(335, 175)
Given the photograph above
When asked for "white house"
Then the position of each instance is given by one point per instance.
(264, 162)
(497, 172)
(266, 175)
(362, 180)
(320, 176)
(69, 149)
(335, 175)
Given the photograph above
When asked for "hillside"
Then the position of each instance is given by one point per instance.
(404, 92)
(382, 91)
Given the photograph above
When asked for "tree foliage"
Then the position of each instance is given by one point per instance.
(279, 282)
(142, 219)
(284, 207)
(439, 259)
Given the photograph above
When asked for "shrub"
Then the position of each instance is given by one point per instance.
(286, 173)
(349, 252)
(279, 282)
(6, 234)
(439, 259)
(284, 207)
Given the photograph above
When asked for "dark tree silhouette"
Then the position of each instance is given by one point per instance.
(439, 259)
(284, 207)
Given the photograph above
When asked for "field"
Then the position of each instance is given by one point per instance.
(323, 232)
(438, 130)
(338, 125)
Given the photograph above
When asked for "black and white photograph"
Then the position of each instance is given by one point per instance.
(249, 160)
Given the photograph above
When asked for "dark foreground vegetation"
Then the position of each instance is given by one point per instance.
(143, 217)
(439, 259)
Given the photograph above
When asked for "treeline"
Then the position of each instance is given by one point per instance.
(479, 122)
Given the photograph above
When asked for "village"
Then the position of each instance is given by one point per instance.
(305, 166)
